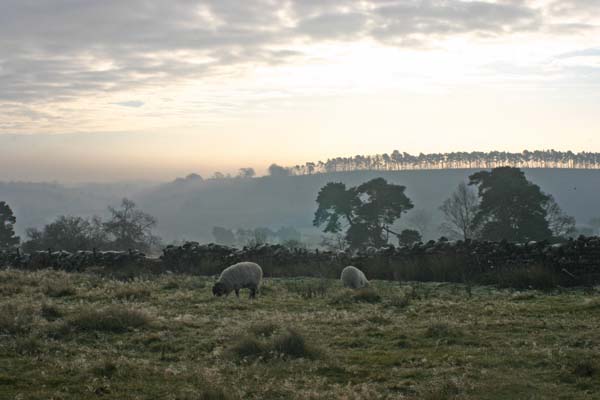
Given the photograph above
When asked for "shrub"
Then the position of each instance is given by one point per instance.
(115, 319)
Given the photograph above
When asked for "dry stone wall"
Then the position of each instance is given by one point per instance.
(441, 260)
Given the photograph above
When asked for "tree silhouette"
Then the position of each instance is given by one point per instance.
(366, 212)
(511, 207)
(8, 239)
(408, 237)
(459, 212)
(561, 224)
(277, 170)
(400, 161)
(130, 227)
(68, 233)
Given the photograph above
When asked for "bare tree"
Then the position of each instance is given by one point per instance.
(131, 228)
(421, 221)
(459, 212)
(561, 224)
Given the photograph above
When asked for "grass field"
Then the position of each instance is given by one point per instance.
(75, 336)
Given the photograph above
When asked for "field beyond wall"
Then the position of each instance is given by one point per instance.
(84, 336)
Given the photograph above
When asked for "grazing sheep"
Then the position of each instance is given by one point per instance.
(354, 278)
(239, 276)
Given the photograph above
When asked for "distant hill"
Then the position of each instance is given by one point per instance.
(189, 208)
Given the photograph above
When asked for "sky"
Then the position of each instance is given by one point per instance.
(118, 90)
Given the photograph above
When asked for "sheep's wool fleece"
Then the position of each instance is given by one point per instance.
(240, 275)
(354, 278)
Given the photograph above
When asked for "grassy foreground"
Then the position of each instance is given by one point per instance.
(76, 336)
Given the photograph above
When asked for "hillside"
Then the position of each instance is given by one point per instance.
(189, 209)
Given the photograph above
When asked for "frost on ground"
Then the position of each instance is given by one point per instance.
(70, 336)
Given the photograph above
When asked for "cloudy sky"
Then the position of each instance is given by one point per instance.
(152, 89)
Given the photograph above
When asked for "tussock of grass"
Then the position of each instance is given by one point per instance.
(50, 312)
(445, 391)
(349, 296)
(60, 288)
(15, 319)
(212, 393)
(28, 346)
(309, 288)
(171, 284)
(290, 344)
(521, 296)
(399, 301)
(105, 369)
(265, 329)
(441, 330)
(132, 293)
(585, 369)
(114, 319)
(592, 304)
(367, 295)
(249, 347)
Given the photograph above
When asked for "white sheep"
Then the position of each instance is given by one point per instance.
(242, 275)
(354, 278)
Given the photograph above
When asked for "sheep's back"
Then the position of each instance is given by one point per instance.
(353, 277)
(243, 273)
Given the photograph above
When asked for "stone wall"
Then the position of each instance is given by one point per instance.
(442, 260)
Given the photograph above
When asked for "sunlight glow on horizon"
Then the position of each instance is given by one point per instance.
(307, 94)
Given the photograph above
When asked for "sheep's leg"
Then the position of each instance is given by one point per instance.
(237, 293)
(252, 293)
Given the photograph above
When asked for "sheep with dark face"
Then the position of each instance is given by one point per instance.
(243, 275)
(353, 278)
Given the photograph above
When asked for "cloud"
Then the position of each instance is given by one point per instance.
(133, 104)
(61, 49)
(441, 18)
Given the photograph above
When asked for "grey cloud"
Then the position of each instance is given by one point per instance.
(575, 7)
(438, 17)
(62, 49)
(328, 26)
(132, 103)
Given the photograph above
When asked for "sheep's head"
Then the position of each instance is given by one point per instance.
(219, 289)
